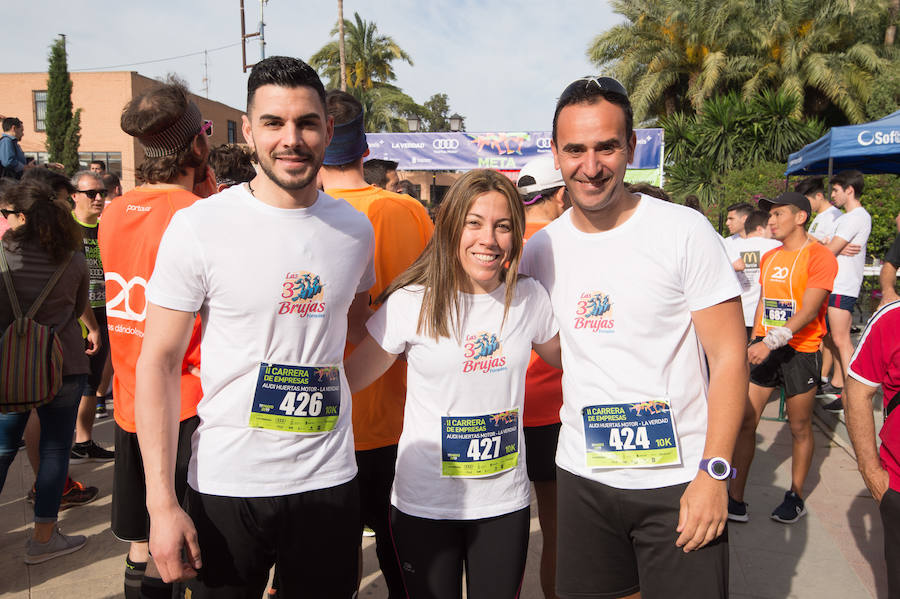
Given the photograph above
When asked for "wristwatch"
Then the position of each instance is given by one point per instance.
(718, 468)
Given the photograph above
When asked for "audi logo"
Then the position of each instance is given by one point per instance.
(542, 143)
(445, 144)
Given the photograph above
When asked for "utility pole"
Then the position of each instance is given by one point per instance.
(245, 36)
(206, 74)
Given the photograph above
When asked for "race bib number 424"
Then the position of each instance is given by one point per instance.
(630, 435)
(296, 399)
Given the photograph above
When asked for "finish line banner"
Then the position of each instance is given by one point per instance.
(507, 150)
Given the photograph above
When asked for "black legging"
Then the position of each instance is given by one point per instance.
(432, 554)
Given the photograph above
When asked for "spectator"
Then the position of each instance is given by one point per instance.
(12, 158)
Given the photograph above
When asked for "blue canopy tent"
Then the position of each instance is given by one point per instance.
(871, 148)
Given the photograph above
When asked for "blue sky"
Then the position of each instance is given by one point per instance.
(502, 64)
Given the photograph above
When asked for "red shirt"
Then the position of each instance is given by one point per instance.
(875, 362)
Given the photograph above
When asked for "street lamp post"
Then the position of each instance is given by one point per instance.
(413, 123)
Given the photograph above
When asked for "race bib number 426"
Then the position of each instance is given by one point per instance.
(296, 399)
(473, 446)
(630, 435)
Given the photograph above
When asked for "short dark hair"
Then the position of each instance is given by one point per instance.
(810, 186)
(231, 164)
(647, 189)
(851, 178)
(151, 112)
(342, 106)
(283, 71)
(742, 208)
(49, 223)
(10, 122)
(110, 180)
(408, 187)
(375, 171)
(100, 162)
(55, 180)
(757, 218)
(590, 90)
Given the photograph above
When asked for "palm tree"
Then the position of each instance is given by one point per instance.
(369, 56)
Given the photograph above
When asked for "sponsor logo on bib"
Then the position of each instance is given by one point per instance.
(302, 294)
(483, 353)
(594, 312)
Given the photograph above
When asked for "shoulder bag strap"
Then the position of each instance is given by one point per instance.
(7, 280)
(49, 286)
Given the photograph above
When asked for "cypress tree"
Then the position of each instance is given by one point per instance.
(59, 102)
(70, 144)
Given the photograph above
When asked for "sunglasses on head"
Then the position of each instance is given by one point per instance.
(92, 193)
(6, 212)
(605, 84)
(207, 127)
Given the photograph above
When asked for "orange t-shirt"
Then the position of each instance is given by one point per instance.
(402, 230)
(131, 229)
(785, 276)
(543, 383)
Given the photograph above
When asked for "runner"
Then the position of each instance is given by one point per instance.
(790, 324)
(637, 284)
(545, 199)
(461, 494)
(827, 214)
(745, 254)
(272, 473)
(168, 126)
(876, 363)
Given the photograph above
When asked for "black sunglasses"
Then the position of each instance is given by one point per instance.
(604, 84)
(92, 193)
(6, 212)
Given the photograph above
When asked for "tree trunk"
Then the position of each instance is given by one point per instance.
(891, 32)
(341, 45)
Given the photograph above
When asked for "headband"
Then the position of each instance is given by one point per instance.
(174, 138)
(347, 144)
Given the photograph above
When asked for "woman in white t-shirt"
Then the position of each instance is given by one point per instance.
(467, 325)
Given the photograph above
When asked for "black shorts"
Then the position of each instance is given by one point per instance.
(540, 451)
(890, 519)
(795, 372)
(129, 520)
(313, 539)
(614, 542)
(98, 360)
(432, 554)
(376, 475)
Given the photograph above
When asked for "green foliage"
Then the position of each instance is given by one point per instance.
(435, 114)
(59, 101)
(885, 98)
(71, 142)
(882, 199)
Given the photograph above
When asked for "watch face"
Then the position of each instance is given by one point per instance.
(719, 467)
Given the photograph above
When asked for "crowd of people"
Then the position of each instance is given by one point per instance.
(296, 352)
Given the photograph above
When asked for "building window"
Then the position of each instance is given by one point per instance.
(113, 160)
(40, 109)
(232, 132)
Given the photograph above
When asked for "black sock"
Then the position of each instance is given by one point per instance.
(134, 573)
(155, 588)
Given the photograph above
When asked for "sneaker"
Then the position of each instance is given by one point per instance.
(89, 452)
(368, 532)
(828, 390)
(59, 544)
(790, 510)
(76, 494)
(101, 408)
(835, 407)
(737, 510)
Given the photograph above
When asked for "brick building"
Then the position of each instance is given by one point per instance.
(101, 96)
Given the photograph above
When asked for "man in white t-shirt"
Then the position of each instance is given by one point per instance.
(745, 255)
(823, 225)
(735, 217)
(279, 273)
(637, 284)
(852, 228)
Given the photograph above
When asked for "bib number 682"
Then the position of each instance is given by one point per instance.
(629, 438)
(301, 404)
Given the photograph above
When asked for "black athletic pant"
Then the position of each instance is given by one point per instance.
(376, 475)
(433, 552)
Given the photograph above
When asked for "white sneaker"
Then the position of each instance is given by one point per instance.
(59, 544)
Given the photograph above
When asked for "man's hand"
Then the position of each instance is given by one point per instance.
(877, 480)
(851, 249)
(173, 544)
(704, 511)
(93, 342)
(758, 353)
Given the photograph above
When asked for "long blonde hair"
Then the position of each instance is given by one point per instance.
(438, 268)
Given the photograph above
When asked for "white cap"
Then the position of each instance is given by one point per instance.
(539, 175)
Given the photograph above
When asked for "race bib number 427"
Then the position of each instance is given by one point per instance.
(296, 399)
(473, 446)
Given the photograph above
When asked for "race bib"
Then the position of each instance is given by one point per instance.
(473, 446)
(777, 312)
(630, 435)
(296, 399)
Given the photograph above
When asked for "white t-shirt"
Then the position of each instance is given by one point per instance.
(853, 227)
(822, 227)
(623, 300)
(272, 286)
(459, 392)
(750, 251)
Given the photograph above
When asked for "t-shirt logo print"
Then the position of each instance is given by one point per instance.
(483, 353)
(594, 311)
(302, 294)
